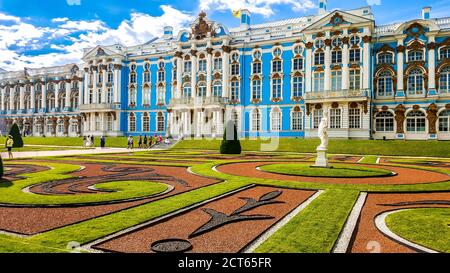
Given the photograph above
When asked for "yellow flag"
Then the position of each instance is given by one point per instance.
(237, 14)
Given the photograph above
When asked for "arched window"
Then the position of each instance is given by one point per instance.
(444, 53)
(132, 123)
(160, 122)
(235, 90)
(187, 66)
(444, 121)
(201, 90)
(132, 96)
(109, 122)
(74, 97)
(37, 101)
(161, 95)
(444, 80)
(385, 84)
(256, 120)
(217, 63)
(146, 95)
(415, 122)
(187, 90)
(28, 102)
(51, 101)
(217, 89)
(256, 88)
(277, 87)
(145, 122)
(414, 56)
(296, 119)
(384, 121)
(415, 82)
(275, 120)
(62, 100)
(202, 65)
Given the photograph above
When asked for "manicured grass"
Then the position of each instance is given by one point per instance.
(336, 146)
(37, 148)
(72, 141)
(11, 193)
(316, 228)
(337, 170)
(429, 227)
(369, 159)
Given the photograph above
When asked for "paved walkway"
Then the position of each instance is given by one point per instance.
(68, 152)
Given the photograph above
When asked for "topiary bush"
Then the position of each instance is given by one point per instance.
(233, 145)
(17, 137)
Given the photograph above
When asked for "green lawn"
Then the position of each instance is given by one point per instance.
(71, 141)
(337, 170)
(336, 146)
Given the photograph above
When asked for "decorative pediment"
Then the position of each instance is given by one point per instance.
(202, 28)
(336, 19)
(99, 51)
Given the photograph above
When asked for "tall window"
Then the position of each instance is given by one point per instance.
(109, 122)
(355, 55)
(354, 118)
(160, 95)
(415, 82)
(256, 120)
(414, 56)
(202, 65)
(355, 79)
(444, 121)
(217, 89)
(256, 89)
(145, 122)
(296, 120)
(146, 95)
(256, 67)
(110, 77)
(132, 96)
(161, 76)
(297, 64)
(133, 77)
(276, 88)
(385, 84)
(132, 123)
(235, 69)
(277, 66)
(317, 117)
(336, 57)
(275, 121)
(109, 95)
(444, 80)
(384, 122)
(335, 118)
(235, 90)
(415, 121)
(91, 96)
(201, 92)
(187, 90)
(319, 82)
(336, 80)
(217, 63)
(161, 127)
(147, 76)
(319, 58)
(297, 86)
(187, 67)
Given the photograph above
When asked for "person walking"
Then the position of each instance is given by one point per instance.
(102, 142)
(84, 141)
(130, 142)
(145, 142)
(9, 146)
(92, 141)
(140, 142)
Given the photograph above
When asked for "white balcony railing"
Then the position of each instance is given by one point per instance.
(336, 94)
(199, 101)
(99, 106)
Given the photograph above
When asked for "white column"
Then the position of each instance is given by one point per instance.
(179, 76)
(209, 71)
(11, 97)
(219, 122)
(3, 99)
(431, 65)
(308, 72)
(22, 97)
(86, 87)
(327, 83)
(117, 83)
(67, 89)
(345, 69)
(56, 95)
(94, 84)
(33, 97)
(226, 71)
(366, 62)
(105, 79)
(193, 73)
(400, 54)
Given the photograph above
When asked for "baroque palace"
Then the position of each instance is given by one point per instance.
(272, 79)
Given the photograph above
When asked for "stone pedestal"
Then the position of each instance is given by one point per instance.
(321, 160)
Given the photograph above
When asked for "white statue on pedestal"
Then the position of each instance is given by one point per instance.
(322, 160)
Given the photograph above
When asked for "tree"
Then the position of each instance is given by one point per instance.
(1, 167)
(17, 137)
(230, 144)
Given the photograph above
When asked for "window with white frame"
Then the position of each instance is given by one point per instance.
(74, 127)
(109, 95)
(355, 55)
(355, 79)
(132, 97)
(355, 40)
(202, 65)
(145, 122)
(296, 120)
(133, 77)
(100, 77)
(354, 118)
(277, 66)
(415, 55)
(161, 126)
(98, 123)
(61, 126)
(297, 86)
(385, 84)
(187, 90)
(444, 121)
(217, 89)
(276, 88)
(235, 69)
(336, 56)
(217, 64)
(99, 95)
(415, 122)
(234, 90)
(297, 64)
(132, 122)
(384, 121)
(147, 77)
(110, 77)
(275, 121)
(91, 96)
(146, 95)
(415, 82)
(161, 76)
(109, 122)
(201, 90)
(335, 118)
(319, 82)
(444, 53)
(385, 58)
(257, 67)
(187, 66)
(317, 117)
(336, 80)
(161, 95)
(319, 58)
(444, 80)
(256, 120)
(256, 89)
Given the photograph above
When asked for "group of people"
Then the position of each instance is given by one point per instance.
(146, 142)
(88, 141)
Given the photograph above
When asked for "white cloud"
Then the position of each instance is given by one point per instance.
(73, 2)
(60, 20)
(263, 7)
(5, 17)
(374, 2)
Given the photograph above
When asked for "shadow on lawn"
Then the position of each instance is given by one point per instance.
(4, 183)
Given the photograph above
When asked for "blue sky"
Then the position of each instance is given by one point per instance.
(53, 32)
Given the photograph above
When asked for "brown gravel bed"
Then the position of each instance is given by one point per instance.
(366, 233)
(230, 238)
(405, 175)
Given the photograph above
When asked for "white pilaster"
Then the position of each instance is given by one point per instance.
(431, 65)
(3, 99)
(208, 71)
(33, 97)
(67, 89)
(327, 79)
(22, 97)
(308, 72)
(400, 61)
(366, 60)
(345, 69)
(226, 69)
(193, 73)
(179, 76)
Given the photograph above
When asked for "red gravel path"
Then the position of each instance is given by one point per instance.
(366, 230)
(230, 238)
(405, 175)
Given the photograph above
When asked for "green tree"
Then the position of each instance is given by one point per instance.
(230, 143)
(17, 137)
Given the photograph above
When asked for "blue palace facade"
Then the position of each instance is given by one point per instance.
(272, 79)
